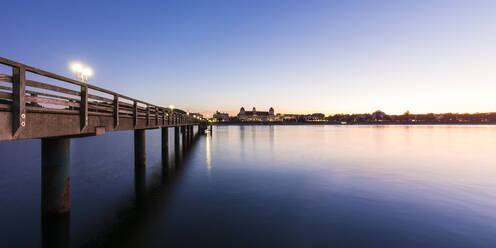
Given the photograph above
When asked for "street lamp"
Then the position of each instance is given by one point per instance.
(82, 73)
(171, 109)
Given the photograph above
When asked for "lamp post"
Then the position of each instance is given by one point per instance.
(171, 110)
(82, 73)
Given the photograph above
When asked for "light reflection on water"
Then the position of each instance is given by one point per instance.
(290, 186)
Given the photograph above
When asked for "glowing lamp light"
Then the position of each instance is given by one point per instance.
(76, 67)
(87, 72)
(171, 107)
(82, 72)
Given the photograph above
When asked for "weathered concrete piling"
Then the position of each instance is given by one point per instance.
(55, 176)
(176, 139)
(165, 144)
(191, 133)
(140, 148)
(183, 138)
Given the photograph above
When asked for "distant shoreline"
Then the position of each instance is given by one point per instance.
(352, 124)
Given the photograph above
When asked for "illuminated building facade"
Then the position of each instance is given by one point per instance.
(255, 115)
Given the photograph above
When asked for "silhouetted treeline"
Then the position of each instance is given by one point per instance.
(377, 117)
(380, 117)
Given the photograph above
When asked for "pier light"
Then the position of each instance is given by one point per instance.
(82, 73)
(87, 72)
(77, 68)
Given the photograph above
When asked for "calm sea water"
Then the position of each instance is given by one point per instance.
(265, 186)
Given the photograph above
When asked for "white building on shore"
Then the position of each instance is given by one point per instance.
(255, 115)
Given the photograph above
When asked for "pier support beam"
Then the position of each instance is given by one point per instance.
(165, 144)
(186, 130)
(177, 155)
(201, 127)
(139, 148)
(183, 138)
(191, 133)
(55, 176)
(188, 135)
(176, 139)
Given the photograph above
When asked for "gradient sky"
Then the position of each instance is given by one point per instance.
(296, 56)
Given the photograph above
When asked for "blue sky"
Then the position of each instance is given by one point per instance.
(296, 56)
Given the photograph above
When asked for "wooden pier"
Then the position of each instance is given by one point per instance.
(65, 108)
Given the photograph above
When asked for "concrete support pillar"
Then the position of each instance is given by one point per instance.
(183, 138)
(139, 148)
(55, 176)
(165, 144)
(188, 136)
(192, 132)
(176, 139)
(176, 145)
(201, 128)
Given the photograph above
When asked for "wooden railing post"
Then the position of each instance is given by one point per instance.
(19, 103)
(163, 117)
(83, 107)
(156, 116)
(147, 114)
(116, 111)
(135, 113)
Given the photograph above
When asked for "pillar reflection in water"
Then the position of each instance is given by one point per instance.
(56, 230)
(242, 142)
(177, 156)
(140, 185)
(208, 141)
(165, 145)
(184, 139)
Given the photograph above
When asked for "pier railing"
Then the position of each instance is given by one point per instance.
(21, 96)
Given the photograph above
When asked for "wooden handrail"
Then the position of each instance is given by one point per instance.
(75, 82)
(80, 104)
